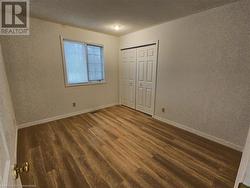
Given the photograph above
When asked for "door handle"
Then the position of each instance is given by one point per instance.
(19, 170)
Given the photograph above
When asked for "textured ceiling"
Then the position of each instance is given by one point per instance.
(101, 15)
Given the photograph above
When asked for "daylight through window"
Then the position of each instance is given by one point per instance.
(83, 62)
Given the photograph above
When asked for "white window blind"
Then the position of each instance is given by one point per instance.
(83, 62)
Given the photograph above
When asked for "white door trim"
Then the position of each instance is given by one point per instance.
(4, 181)
(244, 164)
(6, 173)
(156, 74)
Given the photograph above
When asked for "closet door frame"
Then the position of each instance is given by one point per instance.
(156, 43)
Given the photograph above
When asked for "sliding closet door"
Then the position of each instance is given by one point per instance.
(146, 73)
(128, 78)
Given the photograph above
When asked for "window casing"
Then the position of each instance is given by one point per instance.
(83, 63)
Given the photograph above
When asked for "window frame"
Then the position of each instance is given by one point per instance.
(62, 39)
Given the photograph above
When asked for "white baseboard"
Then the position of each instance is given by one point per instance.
(199, 133)
(28, 124)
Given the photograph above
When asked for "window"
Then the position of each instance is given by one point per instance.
(83, 63)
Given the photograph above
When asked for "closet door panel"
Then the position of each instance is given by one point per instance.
(148, 95)
(128, 78)
(146, 73)
(149, 72)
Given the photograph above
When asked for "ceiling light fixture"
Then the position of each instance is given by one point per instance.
(117, 27)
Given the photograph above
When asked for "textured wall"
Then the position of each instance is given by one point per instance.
(35, 72)
(204, 70)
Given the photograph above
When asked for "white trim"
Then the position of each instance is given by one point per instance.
(7, 162)
(138, 45)
(156, 75)
(87, 83)
(245, 159)
(199, 133)
(16, 140)
(28, 124)
(18, 181)
(6, 173)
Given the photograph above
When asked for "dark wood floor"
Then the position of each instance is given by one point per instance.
(119, 147)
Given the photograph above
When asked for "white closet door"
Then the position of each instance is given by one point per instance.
(128, 78)
(146, 73)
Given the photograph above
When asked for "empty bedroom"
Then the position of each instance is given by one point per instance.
(125, 93)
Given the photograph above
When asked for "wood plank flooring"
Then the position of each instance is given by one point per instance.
(120, 147)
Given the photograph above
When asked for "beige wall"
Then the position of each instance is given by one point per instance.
(35, 72)
(204, 70)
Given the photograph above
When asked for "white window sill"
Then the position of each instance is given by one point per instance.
(86, 84)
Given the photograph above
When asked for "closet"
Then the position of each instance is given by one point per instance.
(138, 77)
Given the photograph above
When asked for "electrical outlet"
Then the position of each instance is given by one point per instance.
(163, 110)
(74, 104)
